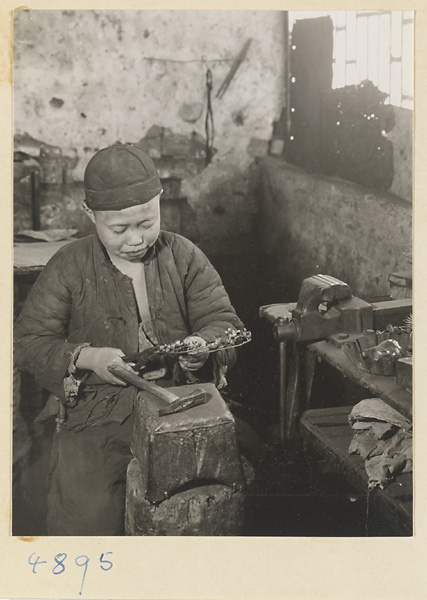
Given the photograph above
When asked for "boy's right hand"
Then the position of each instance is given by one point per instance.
(99, 359)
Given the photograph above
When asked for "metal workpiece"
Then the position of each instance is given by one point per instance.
(376, 352)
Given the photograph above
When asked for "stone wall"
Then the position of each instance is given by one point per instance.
(85, 79)
(311, 224)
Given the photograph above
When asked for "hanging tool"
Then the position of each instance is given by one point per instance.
(209, 123)
(236, 64)
(35, 199)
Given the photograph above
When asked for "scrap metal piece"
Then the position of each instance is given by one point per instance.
(389, 350)
(232, 338)
(140, 359)
(375, 352)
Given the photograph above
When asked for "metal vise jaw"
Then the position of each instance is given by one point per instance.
(325, 306)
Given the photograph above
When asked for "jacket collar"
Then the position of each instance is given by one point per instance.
(103, 254)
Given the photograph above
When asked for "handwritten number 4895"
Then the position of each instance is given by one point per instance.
(80, 561)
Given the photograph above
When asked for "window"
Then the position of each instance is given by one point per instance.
(374, 45)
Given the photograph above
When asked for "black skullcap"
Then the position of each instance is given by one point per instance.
(119, 177)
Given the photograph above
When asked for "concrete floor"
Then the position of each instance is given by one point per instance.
(294, 495)
(29, 486)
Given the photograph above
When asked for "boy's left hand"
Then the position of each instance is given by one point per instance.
(194, 360)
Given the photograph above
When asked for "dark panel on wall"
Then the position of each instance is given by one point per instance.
(311, 76)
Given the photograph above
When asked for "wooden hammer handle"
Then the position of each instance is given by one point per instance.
(143, 384)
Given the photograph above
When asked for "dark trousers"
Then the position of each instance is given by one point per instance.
(87, 482)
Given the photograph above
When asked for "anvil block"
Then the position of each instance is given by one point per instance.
(187, 449)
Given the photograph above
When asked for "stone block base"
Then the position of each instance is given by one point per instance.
(203, 510)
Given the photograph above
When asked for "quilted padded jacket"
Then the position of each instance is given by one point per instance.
(81, 298)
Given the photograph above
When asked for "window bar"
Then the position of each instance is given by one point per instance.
(362, 49)
(407, 59)
(379, 52)
(384, 43)
(351, 48)
(373, 50)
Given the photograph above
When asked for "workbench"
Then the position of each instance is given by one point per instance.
(379, 386)
(31, 257)
(326, 310)
(328, 432)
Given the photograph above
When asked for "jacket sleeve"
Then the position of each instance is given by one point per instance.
(209, 308)
(40, 341)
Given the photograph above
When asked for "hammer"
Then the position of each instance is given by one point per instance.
(175, 404)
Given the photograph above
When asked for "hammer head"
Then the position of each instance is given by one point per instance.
(194, 399)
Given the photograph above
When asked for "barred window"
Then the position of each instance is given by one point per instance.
(374, 45)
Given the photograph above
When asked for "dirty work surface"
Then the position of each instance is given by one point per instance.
(35, 255)
(380, 385)
(327, 431)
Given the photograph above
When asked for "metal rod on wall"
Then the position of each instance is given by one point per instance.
(35, 200)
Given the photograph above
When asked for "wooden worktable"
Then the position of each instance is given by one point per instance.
(31, 257)
(328, 432)
(381, 386)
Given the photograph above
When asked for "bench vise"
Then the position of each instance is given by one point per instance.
(325, 307)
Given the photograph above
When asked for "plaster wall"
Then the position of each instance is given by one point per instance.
(313, 224)
(401, 137)
(86, 79)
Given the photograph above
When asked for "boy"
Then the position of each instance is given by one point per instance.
(100, 298)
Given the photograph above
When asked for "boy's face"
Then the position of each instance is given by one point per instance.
(130, 232)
